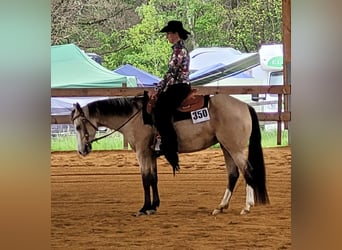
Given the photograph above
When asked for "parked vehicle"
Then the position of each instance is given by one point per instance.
(268, 72)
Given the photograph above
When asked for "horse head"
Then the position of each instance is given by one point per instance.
(85, 129)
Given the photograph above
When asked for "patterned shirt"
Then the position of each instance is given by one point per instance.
(178, 67)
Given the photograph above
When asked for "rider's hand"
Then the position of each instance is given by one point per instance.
(153, 94)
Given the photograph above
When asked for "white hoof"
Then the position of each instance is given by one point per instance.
(244, 211)
(216, 211)
(139, 214)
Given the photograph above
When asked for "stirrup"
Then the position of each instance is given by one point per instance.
(157, 151)
(157, 143)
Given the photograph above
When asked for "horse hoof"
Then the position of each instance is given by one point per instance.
(150, 212)
(216, 211)
(139, 214)
(244, 211)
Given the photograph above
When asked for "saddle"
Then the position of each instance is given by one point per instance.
(192, 102)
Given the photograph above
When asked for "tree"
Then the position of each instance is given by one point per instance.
(128, 31)
(143, 45)
(254, 23)
(203, 18)
(84, 22)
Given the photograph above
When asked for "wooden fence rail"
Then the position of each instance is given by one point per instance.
(280, 116)
(125, 91)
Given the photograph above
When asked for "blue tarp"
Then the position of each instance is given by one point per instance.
(144, 78)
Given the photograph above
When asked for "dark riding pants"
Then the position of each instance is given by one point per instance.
(166, 104)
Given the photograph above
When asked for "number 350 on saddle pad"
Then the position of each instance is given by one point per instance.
(200, 115)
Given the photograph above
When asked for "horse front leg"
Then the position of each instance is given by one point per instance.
(149, 181)
(148, 166)
(147, 196)
(154, 185)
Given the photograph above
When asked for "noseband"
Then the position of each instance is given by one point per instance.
(84, 120)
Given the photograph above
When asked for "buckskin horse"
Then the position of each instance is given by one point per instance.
(224, 120)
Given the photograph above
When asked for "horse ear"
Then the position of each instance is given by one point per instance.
(77, 106)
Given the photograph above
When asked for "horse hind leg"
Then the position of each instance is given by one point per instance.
(236, 162)
(250, 194)
(255, 188)
(241, 161)
(249, 200)
(233, 175)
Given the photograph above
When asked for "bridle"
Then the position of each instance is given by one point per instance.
(85, 120)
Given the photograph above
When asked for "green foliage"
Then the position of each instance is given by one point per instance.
(204, 19)
(143, 45)
(269, 138)
(208, 19)
(243, 25)
(255, 23)
(115, 141)
(146, 48)
(69, 143)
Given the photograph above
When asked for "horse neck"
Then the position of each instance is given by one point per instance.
(117, 122)
(114, 113)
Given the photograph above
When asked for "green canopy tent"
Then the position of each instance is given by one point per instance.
(73, 68)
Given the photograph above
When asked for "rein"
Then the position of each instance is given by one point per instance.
(86, 134)
(123, 124)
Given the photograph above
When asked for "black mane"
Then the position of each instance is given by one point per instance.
(114, 106)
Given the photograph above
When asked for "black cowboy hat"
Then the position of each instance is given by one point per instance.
(175, 26)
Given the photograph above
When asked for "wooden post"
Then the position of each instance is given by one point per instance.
(286, 18)
(125, 142)
(279, 122)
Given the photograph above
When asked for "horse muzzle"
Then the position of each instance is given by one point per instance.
(86, 150)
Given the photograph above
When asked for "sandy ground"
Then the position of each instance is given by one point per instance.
(94, 198)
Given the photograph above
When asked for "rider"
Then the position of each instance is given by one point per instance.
(172, 90)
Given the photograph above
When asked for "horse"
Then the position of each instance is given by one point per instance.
(231, 123)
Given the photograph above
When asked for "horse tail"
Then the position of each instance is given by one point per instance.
(255, 174)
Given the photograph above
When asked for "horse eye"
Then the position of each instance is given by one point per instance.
(78, 127)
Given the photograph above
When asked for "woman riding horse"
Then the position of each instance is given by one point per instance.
(171, 91)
